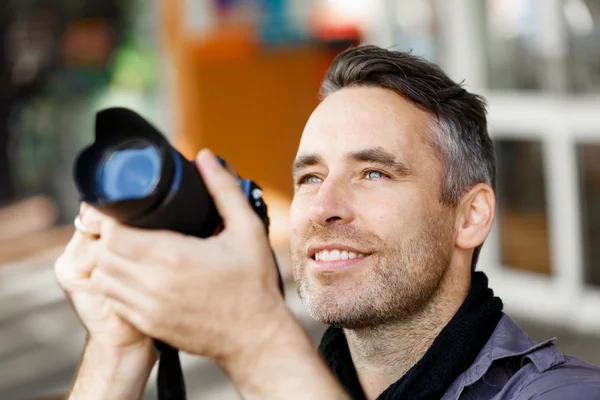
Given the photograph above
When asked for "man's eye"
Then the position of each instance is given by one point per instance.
(374, 175)
(309, 179)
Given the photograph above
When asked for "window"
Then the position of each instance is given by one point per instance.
(589, 173)
(522, 218)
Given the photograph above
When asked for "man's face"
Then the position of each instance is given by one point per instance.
(370, 240)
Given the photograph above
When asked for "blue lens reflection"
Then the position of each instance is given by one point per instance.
(130, 173)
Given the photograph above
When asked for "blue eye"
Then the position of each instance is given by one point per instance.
(308, 179)
(375, 175)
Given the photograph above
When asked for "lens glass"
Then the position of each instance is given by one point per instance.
(130, 171)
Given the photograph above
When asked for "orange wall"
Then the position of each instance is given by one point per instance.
(247, 104)
(250, 110)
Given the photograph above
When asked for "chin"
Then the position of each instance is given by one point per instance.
(333, 306)
(348, 320)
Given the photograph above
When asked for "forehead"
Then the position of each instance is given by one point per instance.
(355, 118)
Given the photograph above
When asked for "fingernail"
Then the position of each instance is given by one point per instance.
(86, 217)
(208, 159)
(83, 218)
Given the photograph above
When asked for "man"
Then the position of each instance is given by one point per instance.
(394, 197)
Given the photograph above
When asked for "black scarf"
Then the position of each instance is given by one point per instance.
(451, 353)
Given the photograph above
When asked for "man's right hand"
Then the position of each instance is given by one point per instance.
(115, 350)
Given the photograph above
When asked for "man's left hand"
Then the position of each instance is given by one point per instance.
(210, 297)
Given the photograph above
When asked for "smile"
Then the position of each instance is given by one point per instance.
(336, 254)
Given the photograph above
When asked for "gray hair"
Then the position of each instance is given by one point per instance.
(459, 128)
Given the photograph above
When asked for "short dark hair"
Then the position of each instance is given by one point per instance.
(460, 124)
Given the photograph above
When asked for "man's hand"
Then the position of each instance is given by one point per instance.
(74, 270)
(118, 357)
(213, 297)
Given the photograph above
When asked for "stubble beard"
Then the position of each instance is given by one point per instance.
(399, 282)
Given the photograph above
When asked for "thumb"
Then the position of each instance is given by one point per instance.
(223, 187)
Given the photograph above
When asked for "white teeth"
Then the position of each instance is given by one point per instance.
(335, 255)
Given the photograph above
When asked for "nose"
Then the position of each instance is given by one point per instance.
(331, 204)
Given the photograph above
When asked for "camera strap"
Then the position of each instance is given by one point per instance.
(170, 383)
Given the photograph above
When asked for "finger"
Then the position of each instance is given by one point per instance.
(91, 218)
(80, 285)
(136, 283)
(130, 314)
(147, 246)
(79, 240)
(157, 247)
(229, 199)
(77, 264)
(117, 289)
(120, 268)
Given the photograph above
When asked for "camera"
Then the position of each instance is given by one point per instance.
(134, 175)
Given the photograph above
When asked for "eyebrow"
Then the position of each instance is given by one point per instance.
(305, 161)
(378, 155)
(375, 155)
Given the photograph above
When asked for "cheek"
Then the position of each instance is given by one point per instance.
(298, 220)
(392, 213)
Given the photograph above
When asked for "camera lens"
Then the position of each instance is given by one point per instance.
(130, 171)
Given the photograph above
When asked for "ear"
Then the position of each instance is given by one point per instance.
(476, 216)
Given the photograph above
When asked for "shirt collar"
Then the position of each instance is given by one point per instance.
(507, 340)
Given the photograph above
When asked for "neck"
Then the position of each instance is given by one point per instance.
(383, 354)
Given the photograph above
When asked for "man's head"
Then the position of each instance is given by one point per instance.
(395, 169)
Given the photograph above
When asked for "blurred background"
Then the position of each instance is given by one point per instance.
(241, 77)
